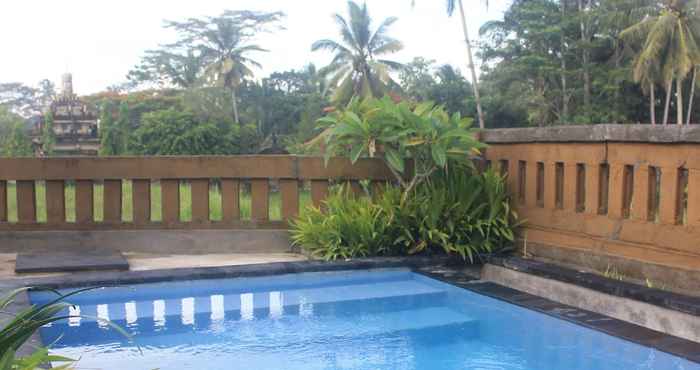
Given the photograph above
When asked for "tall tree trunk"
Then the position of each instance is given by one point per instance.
(585, 59)
(616, 93)
(472, 69)
(669, 86)
(679, 101)
(234, 101)
(564, 101)
(652, 103)
(692, 96)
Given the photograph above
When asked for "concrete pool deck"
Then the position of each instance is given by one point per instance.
(140, 261)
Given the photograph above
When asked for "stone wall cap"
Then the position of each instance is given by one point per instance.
(594, 133)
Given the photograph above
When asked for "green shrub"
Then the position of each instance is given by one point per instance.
(348, 226)
(457, 212)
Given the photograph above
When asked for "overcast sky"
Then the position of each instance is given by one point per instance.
(99, 41)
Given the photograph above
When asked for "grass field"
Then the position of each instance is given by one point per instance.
(127, 211)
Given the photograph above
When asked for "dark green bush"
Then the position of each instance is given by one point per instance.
(457, 212)
(349, 226)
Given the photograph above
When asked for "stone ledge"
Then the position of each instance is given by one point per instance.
(594, 133)
(70, 262)
(669, 300)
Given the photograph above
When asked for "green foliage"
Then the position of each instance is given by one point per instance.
(444, 85)
(114, 134)
(356, 69)
(459, 212)
(121, 127)
(349, 226)
(224, 44)
(110, 135)
(14, 141)
(396, 132)
(48, 137)
(17, 328)
(666, 48)
(20, 99)
(667, 44)
(18, 143)
(171, 132)
(539, 44)
(167, 67)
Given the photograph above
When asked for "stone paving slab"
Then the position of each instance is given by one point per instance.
(69, 262)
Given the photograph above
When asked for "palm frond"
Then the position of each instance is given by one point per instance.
(394, 66)
(389, 46)
(450, 7)
(330, 45)
(346, 32)
(360, 22)
(379, 36)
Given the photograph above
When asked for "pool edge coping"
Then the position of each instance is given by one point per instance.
(439, 267)
(661, 298)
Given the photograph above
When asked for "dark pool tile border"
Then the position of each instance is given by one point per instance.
(634, 333)
(277, 268)
(657, 297)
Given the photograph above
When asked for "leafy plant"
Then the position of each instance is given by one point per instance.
(458, 212)
(22, 325)
(415, 142)
(176, 132)
(346, 226)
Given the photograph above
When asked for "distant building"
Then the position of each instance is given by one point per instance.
(75, 125)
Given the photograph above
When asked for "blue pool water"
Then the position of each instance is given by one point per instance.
(378, 319)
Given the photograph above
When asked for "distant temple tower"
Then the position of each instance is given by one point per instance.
(67, 84)
(75, 125)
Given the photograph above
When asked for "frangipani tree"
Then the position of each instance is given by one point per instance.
(396, 132)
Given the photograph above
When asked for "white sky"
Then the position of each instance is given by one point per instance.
(99, 41)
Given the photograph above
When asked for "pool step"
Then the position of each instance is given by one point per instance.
(287, 331)
(263, 304)
(231, 286)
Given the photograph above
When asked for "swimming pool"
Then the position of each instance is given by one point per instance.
(372, 319)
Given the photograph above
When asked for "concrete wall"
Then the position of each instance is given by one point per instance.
(664, 320)
(625, 191)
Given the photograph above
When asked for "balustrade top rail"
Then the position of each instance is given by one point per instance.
(191, 167)
(208, 179)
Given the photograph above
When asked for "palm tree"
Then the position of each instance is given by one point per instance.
(615, 16)
(224, 44)
(668, 50)
(355, 69)
(451, 5)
